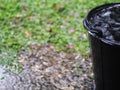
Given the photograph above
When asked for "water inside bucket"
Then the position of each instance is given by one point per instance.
(106, 23)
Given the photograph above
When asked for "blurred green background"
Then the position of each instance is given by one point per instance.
(38, 21)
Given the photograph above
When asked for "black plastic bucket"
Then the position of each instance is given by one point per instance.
(105, 56)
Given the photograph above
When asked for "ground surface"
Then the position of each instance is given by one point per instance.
(56, 21)
(59, 22)
(46, 69)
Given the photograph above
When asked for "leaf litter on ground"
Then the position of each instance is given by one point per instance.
(46, 69)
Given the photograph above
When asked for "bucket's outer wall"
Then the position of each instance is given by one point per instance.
(97, 62)
(105, 56)
(106, 64)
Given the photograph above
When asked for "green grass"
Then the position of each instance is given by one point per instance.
(54, 21)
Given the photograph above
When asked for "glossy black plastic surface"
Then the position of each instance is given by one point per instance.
(105, 56)
(106, 63)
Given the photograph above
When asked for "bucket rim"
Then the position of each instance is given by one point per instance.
(89, 29)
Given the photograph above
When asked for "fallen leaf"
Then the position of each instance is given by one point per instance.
(27, 33)
(58, 7)
(54, 75)
(22, 59)
(25, 10)
(16, 21)
(18, 16)
(84, 36)
(69, 88)
(48, 29)
(53, 62)
(70, 46)
(32, 17)
(85, 10)
(71, 30)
